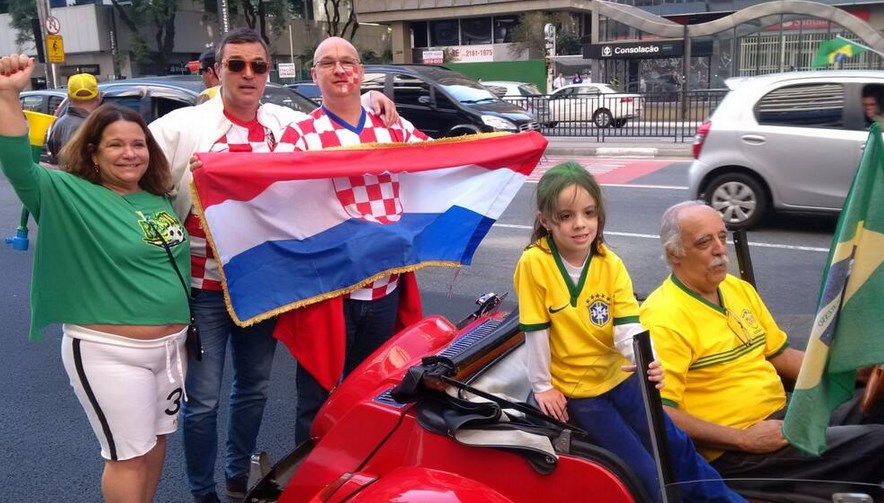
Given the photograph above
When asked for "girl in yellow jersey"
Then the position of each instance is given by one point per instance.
(579, 313)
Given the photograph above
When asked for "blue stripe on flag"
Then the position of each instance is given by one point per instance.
(270, 275)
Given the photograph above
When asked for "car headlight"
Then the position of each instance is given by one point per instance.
(499, 123)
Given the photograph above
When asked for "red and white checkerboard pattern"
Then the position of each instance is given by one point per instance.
(370, 197)
(374, 198)
(241, 137)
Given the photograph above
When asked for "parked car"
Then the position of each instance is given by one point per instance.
(307, 88)
(787, 142)
(599, 103)
(154, 97)
(441, 102)
(524, 94)
(45, 101)
(438, 414)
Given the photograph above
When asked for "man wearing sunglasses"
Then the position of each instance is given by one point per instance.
(369, 314)
(234, 120)
(724, 359)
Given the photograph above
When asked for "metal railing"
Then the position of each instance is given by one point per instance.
(673, 115)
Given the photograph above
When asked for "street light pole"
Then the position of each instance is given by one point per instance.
(42, 14)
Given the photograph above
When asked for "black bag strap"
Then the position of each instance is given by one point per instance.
(172, 261)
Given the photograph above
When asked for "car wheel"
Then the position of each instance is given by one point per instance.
(552, 124)
(740, 198)
(602, 118)
(618, 123)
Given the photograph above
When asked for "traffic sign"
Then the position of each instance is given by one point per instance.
(55, 48)
(53, 25)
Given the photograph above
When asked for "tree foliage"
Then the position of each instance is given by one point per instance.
(21, 13)
(333, 11)
(263, 15)
(159, 17)
(528, 34)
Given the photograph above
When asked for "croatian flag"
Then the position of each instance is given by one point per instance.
(293, 229)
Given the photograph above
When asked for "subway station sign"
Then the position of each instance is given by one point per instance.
(635, 50)
(645, 50)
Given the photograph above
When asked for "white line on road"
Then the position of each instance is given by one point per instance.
(630, 186)
(654, 236)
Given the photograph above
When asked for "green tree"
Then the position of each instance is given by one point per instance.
(156, 14)
(333, 11)
(21, 13)
(528, 34)
(273, 14)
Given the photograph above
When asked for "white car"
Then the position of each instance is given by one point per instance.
(524, 94)
(599, 103)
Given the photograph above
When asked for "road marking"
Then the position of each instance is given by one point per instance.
(628, 186)
(654, 236)
(615, 171)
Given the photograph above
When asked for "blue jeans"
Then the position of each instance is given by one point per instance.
(369, 325)
(617, 422)
(251, 352)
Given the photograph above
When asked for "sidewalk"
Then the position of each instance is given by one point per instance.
(619, 147)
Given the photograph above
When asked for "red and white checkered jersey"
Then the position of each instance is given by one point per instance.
(374, 198)
(241, 137)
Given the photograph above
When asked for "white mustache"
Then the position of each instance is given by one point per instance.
(719, 261)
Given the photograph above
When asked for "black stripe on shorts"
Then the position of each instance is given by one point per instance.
(81, 373)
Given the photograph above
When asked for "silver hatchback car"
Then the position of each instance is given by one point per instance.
(786, 142)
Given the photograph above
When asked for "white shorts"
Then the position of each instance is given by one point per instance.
(131, 389)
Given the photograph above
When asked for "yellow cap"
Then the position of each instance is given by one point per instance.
(82, 87)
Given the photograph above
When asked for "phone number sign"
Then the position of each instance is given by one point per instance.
(472, 53)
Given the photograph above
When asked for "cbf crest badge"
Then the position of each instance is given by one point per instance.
(374, 198)
(599, 309)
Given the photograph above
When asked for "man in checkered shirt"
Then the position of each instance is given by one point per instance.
(233, 121)
(370, 313)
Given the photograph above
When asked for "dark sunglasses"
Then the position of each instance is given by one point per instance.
(238, 65)
(204, 70)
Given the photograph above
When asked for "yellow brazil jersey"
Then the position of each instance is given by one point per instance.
(715, 358)
(581, 318)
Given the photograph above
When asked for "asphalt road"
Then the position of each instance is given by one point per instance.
(50, 453)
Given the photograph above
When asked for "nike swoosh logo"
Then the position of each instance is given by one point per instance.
(554, 311)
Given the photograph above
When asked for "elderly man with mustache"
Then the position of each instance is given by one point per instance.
(724, 357)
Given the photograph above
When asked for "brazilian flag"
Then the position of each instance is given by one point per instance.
(848, 331)
(837, 50)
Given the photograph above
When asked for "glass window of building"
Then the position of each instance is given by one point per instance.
(444, 32)
(804, 105)
(503, 28)
(475, 30)
(419, 34)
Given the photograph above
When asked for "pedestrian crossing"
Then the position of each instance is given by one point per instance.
(604, 170)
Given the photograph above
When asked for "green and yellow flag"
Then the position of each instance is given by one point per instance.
(835, 51)
(848, 331)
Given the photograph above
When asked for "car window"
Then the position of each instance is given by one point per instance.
(410, 91)
(286, 97)
(803, 105)
(467, 91)
(133, 102)
(529, 90)
(588, 91)
(32, 103)
(54, 103)
(166, 105)
(373, 82)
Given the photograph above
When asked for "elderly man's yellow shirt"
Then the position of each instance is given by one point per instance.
(716, 358)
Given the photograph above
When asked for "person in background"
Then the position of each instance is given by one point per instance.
(109, 265)
(725, 360)
(84, 98)
(208, 70)
(559, 81)
(579, 314)
(369, 313)
(233, 121)
(871, 96)
(577, 79)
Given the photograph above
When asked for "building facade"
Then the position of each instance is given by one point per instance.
(642, 45)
